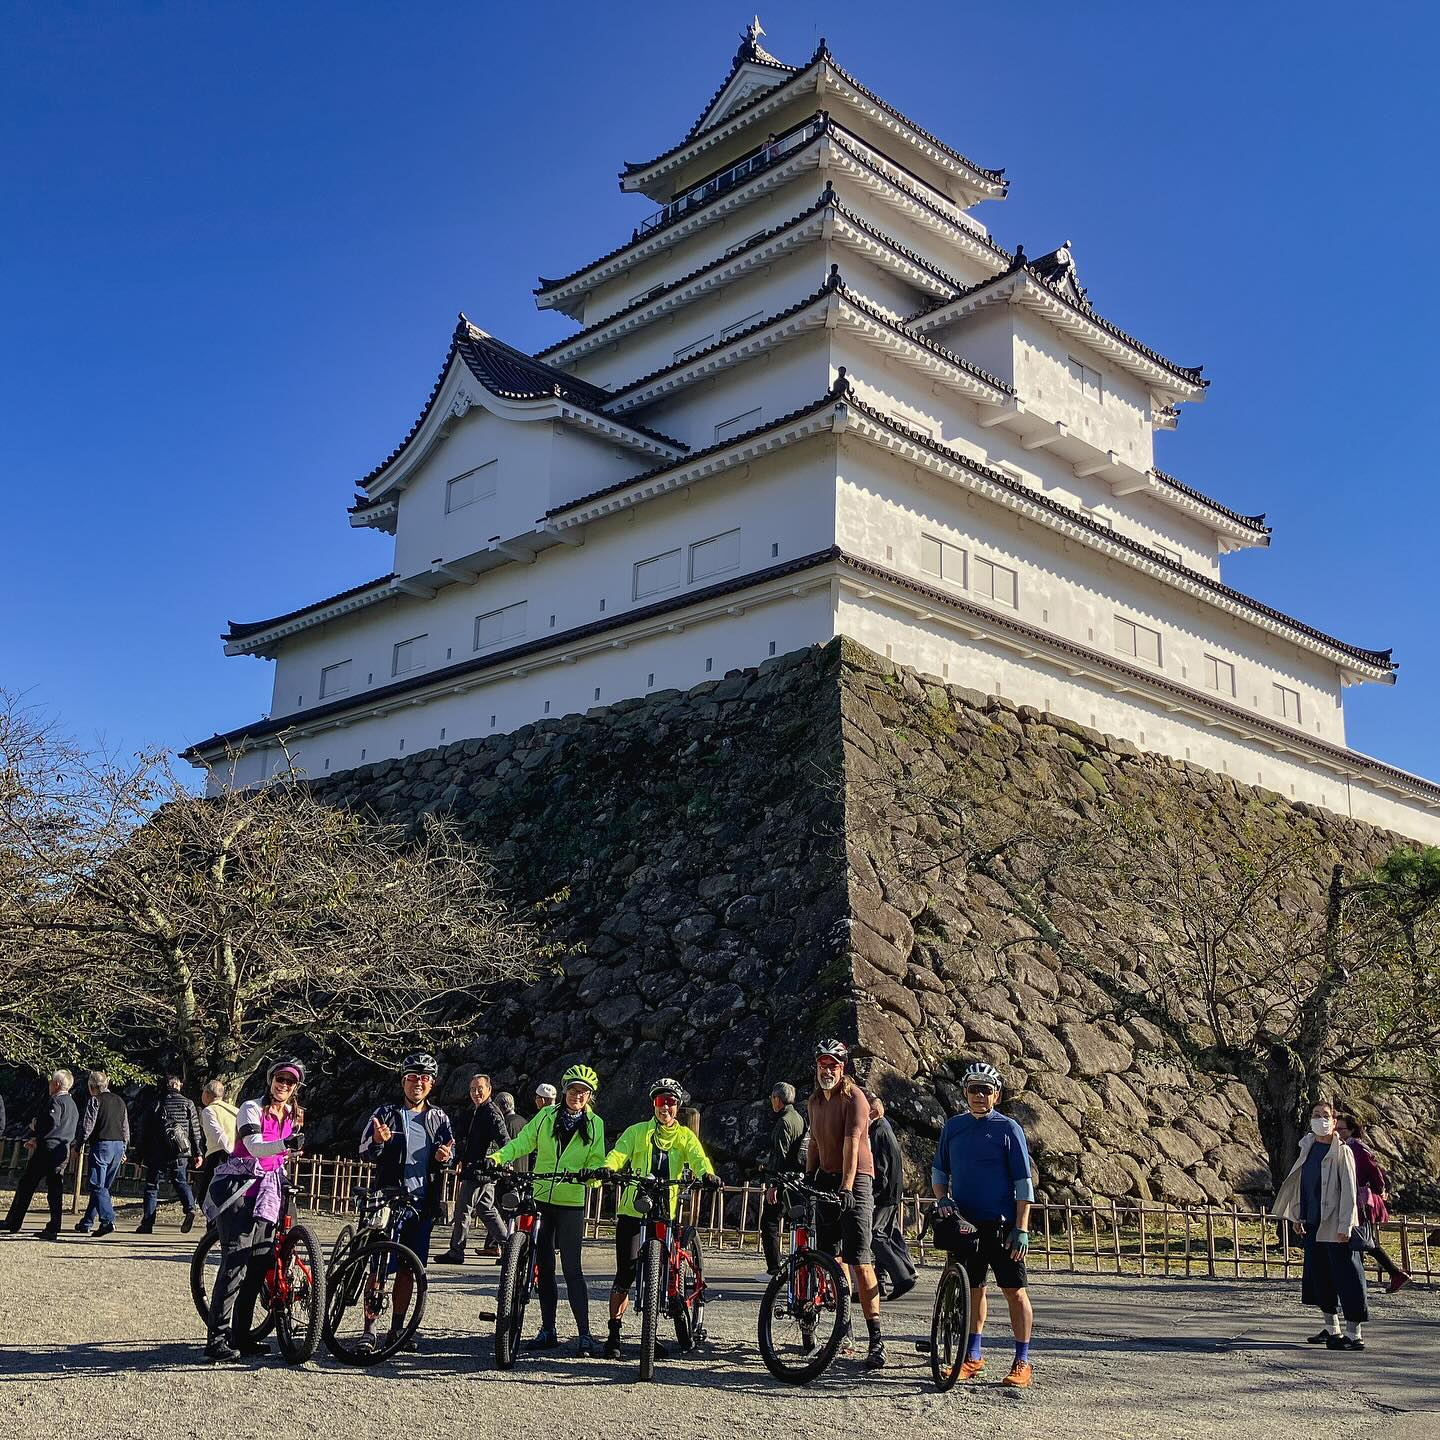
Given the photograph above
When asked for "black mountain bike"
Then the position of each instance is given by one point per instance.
(670, 1278)
(805, 1311)
(292, 1289)
(365, 1263)
(516, 1201)
(950, 1319)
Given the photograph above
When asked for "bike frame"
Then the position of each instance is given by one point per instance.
(667, 1232)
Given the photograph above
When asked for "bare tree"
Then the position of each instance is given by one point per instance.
(228, 928)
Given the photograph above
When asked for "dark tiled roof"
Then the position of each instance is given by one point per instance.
(834, 285)
(510, 373)
(1378, 658)
(240, 629)
(1255, 522)
(752, 55)
(1189, 373)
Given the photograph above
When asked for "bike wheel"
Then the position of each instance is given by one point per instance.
(339, 1246)
(299, 1304)
(359, 1318)
(949, 1326)
(803, 1317)
(204, 1269)
(512, 1297)
(690, 1313)
(652, 1265)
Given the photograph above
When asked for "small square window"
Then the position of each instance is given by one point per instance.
(497, 626)
(659, 573)
(716, 556)
(1137, 640)
(473, 485)
(1287, 703)
(1086, 379)
(941, 558)
(409, 655)
(1220, 675)
(335, 679)
(995, 582)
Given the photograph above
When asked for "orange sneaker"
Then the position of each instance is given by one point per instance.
(969, 1369)
(1019, 1376)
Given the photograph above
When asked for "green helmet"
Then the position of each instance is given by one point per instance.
(580, 1075)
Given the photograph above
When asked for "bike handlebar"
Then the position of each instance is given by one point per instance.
(792, 1183)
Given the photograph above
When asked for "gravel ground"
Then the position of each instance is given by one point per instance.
(99, 1339)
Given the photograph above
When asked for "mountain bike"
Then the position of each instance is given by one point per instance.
(364, 1267)
(950, 1319)
(518, 1274)
(291, 1300)
(805, 1311)
(670, 1278)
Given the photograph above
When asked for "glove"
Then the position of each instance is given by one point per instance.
(295, 1140)
(712, 1181)
(1018, 1239)
(945, 1208)
(845, 1199)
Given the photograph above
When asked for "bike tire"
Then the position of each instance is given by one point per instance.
(949, 1326)
(809, 1268)
(651, 1267)
(300, 1317)
(690, 1319)
(202, 1277)
(341, 1243)
(511, 1299)
(358, 1277)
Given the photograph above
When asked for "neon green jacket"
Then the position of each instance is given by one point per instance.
(635, 1150)
(538, 1139)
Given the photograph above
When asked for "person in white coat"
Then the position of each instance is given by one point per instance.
(1318, 1198)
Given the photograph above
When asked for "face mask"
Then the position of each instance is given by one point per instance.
(1322, 1126)
(828, 1079)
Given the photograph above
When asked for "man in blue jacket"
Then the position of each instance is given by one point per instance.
(982, 1169)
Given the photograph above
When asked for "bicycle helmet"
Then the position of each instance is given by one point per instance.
(419, 1063)
(580, 1075)
(836, 1050)
(981, 1074)
(294, 1066)
(669, 1087)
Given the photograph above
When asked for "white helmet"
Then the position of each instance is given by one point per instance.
(980, 1073)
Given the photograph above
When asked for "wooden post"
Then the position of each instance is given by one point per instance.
(1045, 1220)
(1264, 1242)
(1425, 1248)
(1210, 1242)
(1235, 1236)
(1185, 1215)
(1115, 1227)
(1070, 1230)
(1144, 1270)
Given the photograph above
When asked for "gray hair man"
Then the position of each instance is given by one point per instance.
(52, 1132)
(786, 1151)
(105, 1129)
(484, 1130)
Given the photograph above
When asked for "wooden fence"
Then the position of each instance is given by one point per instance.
(1115, 1238)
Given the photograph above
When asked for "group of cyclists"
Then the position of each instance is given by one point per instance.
(980, 1172)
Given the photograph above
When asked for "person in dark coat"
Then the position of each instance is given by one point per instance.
(173, 1144)
(52, 1135)
(892, 1259)
(786, 1152)
(514, 1123)
(484, 1130)
(105, 1129)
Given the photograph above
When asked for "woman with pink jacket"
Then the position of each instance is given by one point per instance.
(1371, 1193)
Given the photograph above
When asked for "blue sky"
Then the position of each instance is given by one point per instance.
(235, 239)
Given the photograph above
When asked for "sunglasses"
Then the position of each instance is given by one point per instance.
(289, 1081)
(979, 1089)
(666, 1102)
(411, 1075)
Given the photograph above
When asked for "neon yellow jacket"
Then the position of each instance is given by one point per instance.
(538, 1139)
(635, 1150)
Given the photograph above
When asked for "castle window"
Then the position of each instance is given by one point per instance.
(335, 679)
(715, 556)
(660, 572)
(498, 625)
(738, 425)
(1287, 703)
(409, 655)
(694, 347)
(1220, 675)
(1086, 380)
(1137, 640)
(942, 559)
(995, 582)
(473, 485)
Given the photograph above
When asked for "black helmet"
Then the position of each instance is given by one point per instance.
(836, 1050)
(666, 1086)
(419, 1063)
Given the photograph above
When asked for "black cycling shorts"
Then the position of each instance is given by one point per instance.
(629, 1238)
(988, 1251)
(846, 1234)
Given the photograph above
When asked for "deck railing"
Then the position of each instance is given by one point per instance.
(1116, 1237)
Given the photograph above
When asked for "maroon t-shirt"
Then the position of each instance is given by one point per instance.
(832, 1122)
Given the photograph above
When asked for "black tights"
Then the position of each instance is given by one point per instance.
(562, 1226)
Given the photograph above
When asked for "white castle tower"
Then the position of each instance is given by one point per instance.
(810, 396)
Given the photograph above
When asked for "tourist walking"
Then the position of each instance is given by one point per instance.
(892, 1258)
(514, 1124)
(484, 1130)
(982, 1170)
(564, 1137)
(1372, 1187)
(217, 1124)
(545, 1094)
(243, 1203)
(838, 1157)
(785, 1151)
(173, 1144)
(1318, 1198)
(52, 1132)
(411, 1143)
(105, 1128)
